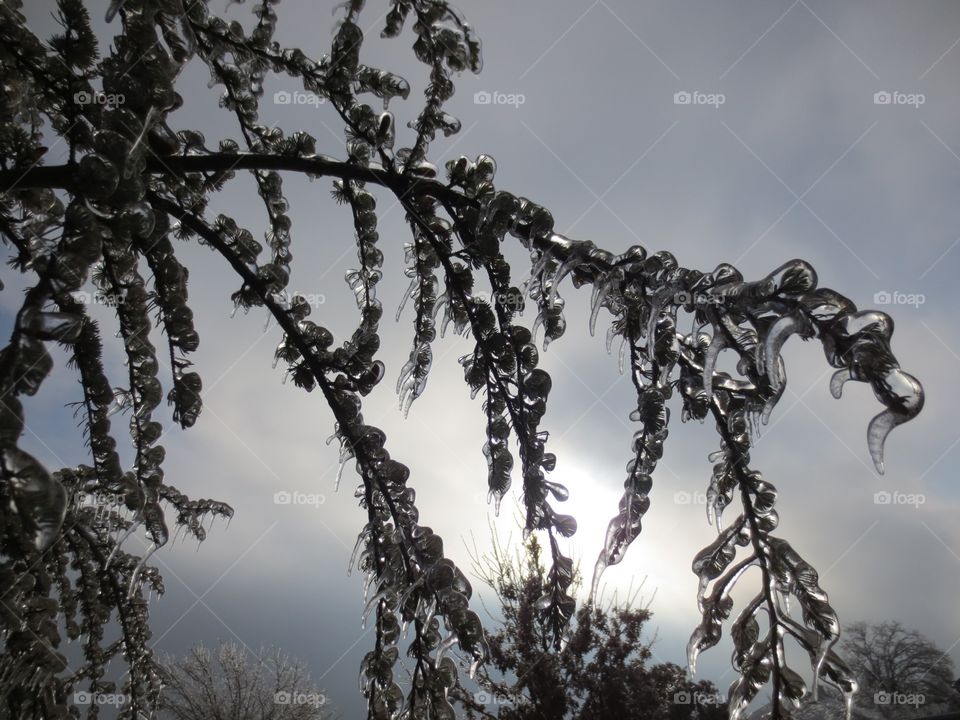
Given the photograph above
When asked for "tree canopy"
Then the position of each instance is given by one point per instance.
(136, 182)
(604, 671)
(900, 671)
(228, 683)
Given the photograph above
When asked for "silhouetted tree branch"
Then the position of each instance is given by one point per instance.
(135, 180)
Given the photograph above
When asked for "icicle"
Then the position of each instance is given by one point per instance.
(776, 337)
(693, 650)
(128, 167)
(877, 432)
(135, 577)
(497, 499)
(537, 268)
(768, 410)
(345, 456)
(445, 646)
(404, 596)
(558, 277)
(130, 530)
(600, 293)
(121, 401)
(817, 668)
(537, 324)
(598, 570)
(611, 334)
(406, 372)
(371, 604)
(656, 308)
(840, 377)
(406, 296)
(430, 612)
(903, 396)
(408, 396)
(113, 9)
(535, 271)
(717, 343)
(621, 360)
(447, 319)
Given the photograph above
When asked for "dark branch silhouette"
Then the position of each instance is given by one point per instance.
(135, 180)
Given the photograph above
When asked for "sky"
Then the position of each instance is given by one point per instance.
(749, 132)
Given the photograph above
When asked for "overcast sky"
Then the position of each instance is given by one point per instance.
(784, 151)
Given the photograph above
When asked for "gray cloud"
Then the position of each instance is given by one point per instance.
(878, 211)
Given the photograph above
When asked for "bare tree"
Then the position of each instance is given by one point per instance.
(899, 670)
(136, 179)
(229, 683)
(604, 670)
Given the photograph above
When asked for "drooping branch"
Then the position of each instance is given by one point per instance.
(433, 583)
(129, 172)
(65, 176)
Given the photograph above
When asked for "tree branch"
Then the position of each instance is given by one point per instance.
(63, 176)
